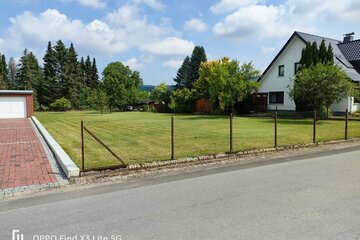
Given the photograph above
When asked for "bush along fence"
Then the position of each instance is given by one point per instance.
(117, 144)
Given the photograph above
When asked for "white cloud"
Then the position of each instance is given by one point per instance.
(267, 50)
(248, 19)
(254, 21)
(134, 64)
(173, 63)
(29, 31)
(154, 4)
(96, 4)
(317, 9)
(195, 25)
(169, 46)
(229, 5)
(117, 32)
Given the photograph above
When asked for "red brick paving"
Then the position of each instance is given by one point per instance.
(23, 161)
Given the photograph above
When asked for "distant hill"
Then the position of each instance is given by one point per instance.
(149, 88)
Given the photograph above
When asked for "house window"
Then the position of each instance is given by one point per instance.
(281, 70)
(276, 97)
(297, 66)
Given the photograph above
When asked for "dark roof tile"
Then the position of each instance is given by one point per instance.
(351, 50)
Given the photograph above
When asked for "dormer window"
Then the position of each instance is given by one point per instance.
(281, 70)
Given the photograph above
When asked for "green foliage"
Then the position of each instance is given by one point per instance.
(61, 104)
(143, 94)
(30, 76)
(72, 78)
(188, 73)
(181, 101)
(356, 114)
(356, 94)
(319, 87)
(12, 69)
(49, 71)
(161, 94)
(3, 72)
(311, 55)
(198, 56)
(121, 85)
(183, 73)
(330, 55)
(61, 76)
(99, 99)
(224, 83)
(89, 72)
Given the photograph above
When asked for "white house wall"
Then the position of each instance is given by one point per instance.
(342, 106)
(271, 82)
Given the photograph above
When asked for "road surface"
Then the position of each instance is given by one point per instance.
(311, 198)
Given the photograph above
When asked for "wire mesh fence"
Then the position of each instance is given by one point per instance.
(115, 144)
(251, 133)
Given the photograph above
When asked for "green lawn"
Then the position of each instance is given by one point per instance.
(139, 137)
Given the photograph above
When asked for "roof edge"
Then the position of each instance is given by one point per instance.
(280, 52)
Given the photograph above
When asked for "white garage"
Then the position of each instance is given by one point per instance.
(16, 104)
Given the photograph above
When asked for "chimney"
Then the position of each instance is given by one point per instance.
(348, 37)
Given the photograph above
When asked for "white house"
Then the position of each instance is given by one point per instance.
(275, 80)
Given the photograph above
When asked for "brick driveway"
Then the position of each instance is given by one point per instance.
(23, 161)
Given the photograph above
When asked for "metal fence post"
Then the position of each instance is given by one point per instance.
(172, 139)
(346, 123)
(82, 148)
(231, 132)
(275, 129)
(314, 127)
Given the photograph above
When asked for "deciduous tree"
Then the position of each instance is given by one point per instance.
(224, 83)
(121, 85)
(321, 85)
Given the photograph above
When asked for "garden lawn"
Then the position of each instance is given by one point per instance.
(139, 137)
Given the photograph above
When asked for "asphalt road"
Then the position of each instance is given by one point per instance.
(313, 198)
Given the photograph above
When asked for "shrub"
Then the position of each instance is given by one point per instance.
(181, 101)
(356, 114)
(61, 104)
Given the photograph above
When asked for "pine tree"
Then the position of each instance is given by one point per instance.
(72, 77)
(23, 73)
(311, 55)
(197, 57)
(322, 52)
(12, 69)
(3, 72)
(49, 72)
(60, 56)
(29, 76)
(88, 75)
(82, 68)
(307, 56)
(315, 53)
(94, 75)
(182, 74)
(330, 55)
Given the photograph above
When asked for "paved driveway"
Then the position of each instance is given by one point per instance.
(23, 160)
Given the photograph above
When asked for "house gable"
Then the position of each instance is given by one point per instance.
(272, 81)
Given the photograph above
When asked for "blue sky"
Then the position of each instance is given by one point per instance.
(154, 36)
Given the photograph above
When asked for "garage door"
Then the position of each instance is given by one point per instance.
(12, 107)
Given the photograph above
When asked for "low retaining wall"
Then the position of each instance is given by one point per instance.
(66, 163)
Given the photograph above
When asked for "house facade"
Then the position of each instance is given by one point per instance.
(279, 75)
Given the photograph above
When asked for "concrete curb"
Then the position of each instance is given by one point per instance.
(67, 165)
